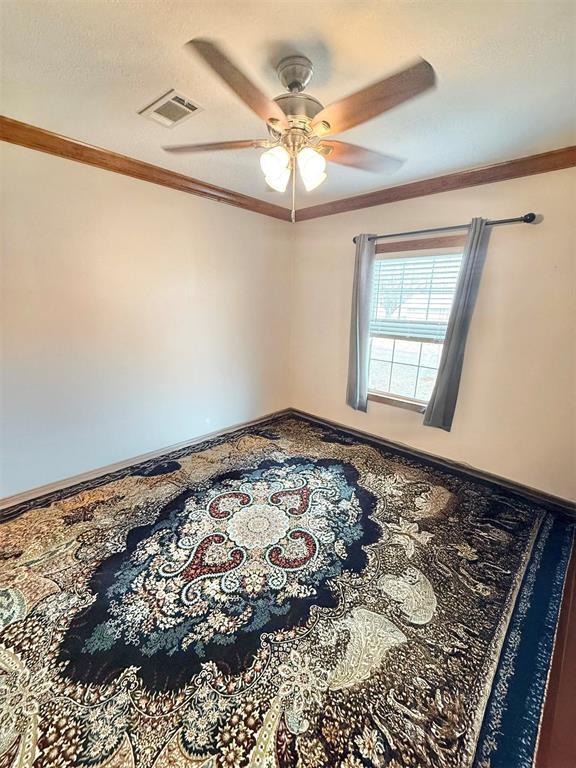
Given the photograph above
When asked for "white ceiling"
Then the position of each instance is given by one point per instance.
(506, 78)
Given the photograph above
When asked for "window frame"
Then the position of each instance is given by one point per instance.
(432, 246)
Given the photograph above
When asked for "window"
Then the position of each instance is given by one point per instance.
(411, 303)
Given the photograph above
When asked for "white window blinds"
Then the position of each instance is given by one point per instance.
(412, 296)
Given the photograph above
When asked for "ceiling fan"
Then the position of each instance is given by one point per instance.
(298, 123)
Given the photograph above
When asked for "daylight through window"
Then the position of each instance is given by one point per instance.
(411, 303)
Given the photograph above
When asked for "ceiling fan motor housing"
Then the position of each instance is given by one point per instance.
(299, 105)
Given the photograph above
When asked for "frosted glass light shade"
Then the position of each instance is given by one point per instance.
(312, 183)
(274, 162)
(311, 165)
(279, 182)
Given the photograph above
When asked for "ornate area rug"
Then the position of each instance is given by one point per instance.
(284, 596)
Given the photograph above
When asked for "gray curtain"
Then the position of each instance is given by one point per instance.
(440, 410)
(357, 394)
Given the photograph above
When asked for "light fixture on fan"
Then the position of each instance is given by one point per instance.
(277, 165)
(311, 165)
(299, 126)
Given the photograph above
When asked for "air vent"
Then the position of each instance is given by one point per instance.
(170, 109)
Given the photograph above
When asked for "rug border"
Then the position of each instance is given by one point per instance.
(494, 651)
(562, 595)
(490, 743)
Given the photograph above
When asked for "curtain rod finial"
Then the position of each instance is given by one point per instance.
(528, 218)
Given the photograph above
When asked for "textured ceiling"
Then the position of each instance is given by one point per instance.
(506, 74)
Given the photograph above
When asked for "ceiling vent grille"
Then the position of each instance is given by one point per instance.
(170, 109)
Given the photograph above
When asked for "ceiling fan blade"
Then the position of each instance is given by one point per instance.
(244, 88)
(375, 99)
(216, 146)
(359, 157)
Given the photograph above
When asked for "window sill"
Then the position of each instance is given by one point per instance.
(409, 405)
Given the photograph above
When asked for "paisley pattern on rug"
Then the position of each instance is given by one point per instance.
(286, 596)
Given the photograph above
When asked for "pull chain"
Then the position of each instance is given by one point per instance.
(293, 213)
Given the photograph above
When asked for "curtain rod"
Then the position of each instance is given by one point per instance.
(528, 218)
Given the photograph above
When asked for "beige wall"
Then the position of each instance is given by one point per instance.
(515, 415)
(133, 317)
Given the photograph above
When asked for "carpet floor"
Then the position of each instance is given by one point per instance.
(284, 596)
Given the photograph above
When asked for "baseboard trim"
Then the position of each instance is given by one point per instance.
(36, 494)
(548, 500)
(553, 503)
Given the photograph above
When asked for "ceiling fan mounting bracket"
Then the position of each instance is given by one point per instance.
(295, 72)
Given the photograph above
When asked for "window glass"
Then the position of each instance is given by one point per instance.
(411, 302)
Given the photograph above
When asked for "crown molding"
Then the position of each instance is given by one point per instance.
(32, 137)
(555, 160)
